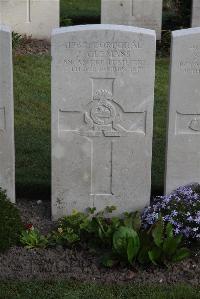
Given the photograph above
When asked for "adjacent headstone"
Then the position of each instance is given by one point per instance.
(34, 18)
(7, 156)
(196, 13)
(102, 117)
(139, 13)
(183, 148)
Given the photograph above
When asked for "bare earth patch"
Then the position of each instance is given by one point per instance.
(29, 46)
(57, 263)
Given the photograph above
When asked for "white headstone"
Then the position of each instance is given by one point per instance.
(102, 117)
(139, 13)
(7, 156)
(31, 17)
(183, 153)
(196, 13)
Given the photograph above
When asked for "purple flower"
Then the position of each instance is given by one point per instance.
(181, 208)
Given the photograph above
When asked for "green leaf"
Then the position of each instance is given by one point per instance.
(133, 220)
(91, 210)
(132, 249)
(169, 230)
(170, 245)
(155, 255)
(108, 261)
(158, 232)
(143, 257)
(110, 209)
(126, 243)
(181, 254)
(137, 221)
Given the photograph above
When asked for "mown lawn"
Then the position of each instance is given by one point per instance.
(80, 12)
(32, 125)
(66, 290)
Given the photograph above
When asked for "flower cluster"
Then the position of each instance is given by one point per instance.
(181, 208)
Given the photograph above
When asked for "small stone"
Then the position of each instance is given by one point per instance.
(39, 202)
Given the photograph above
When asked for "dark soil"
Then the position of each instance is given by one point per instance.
(54, 264)
(27, 46)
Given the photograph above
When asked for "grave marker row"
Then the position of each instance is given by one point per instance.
(138, 13)
(31, 17)
(38, 17)
(102, 115)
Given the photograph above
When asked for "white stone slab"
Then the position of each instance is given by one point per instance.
(31, 17)
(183, 149)
(139, 13)
(102, 117)
(7, 156)
(196, 13)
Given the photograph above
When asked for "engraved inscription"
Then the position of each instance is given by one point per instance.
(187, 123)
(102, 118)
(191, 65)
(104, 57)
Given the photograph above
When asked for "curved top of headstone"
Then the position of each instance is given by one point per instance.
(184, 32)
(5, 28)
(103, 27)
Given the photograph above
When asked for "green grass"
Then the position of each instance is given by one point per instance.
(32, 125)
(80, 11)
(62, 290)
(160, 124)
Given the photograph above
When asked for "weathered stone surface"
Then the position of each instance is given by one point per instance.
(102, 117)
(30, 17)
(196, 13)
(183, 154)
(7, 157)
(139, 13)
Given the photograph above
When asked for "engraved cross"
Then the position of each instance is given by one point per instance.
(102, 121)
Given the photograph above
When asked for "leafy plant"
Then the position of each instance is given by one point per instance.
(31, 238)
(126, 243)
(103, 227)
(162, 245)
(16, 39)
(65, 237)
(70, 229)
(10, 222)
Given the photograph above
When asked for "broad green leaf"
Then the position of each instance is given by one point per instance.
(132, 248)
(169, 230)
(170, 245)
(155, 255)
(121, 241)
(158, 232)
(181, 254)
